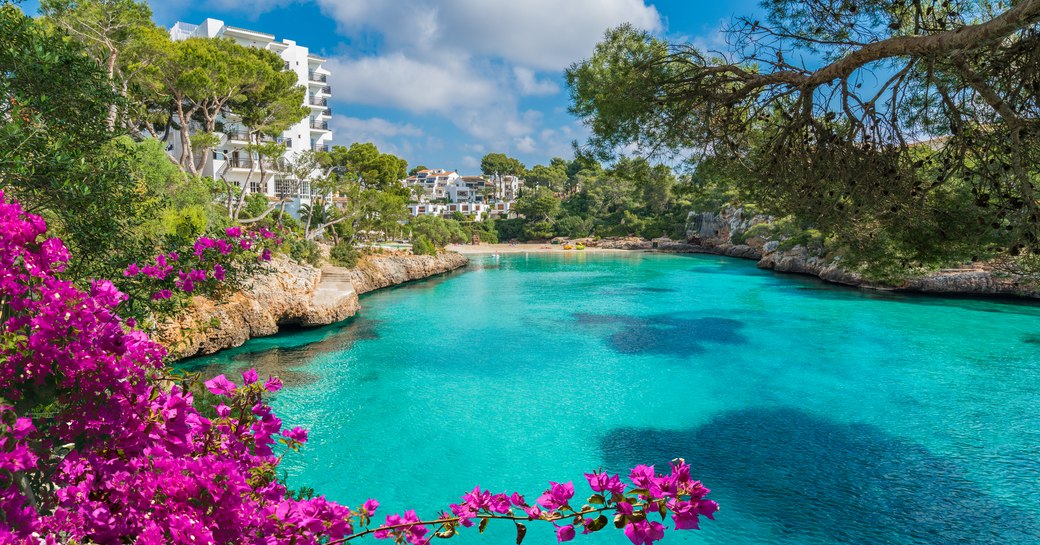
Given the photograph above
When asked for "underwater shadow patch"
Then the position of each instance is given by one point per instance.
(665, 334)
(287, 362)
(1031, 339)
(804, 286)
(807, 475)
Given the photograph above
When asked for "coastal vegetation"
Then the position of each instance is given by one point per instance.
(910, 141)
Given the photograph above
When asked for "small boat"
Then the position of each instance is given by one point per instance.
(568, 247)
(579, 246)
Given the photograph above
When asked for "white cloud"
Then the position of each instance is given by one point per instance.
(399, 81)
(526, 144)
(472, 61)
(542, 34)
(529, 84)
(373, 126)
(470, 162)
(389, 137)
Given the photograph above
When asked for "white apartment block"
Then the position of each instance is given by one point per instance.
(430, 184)
(228, 159)
(438, 192)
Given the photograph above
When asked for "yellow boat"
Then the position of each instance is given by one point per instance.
(580, 246)
(568, 247)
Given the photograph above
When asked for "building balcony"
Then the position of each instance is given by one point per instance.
(244, 136)
(326, 90)
(319, 125)
(247, 163)
(287, 66)
(320, 147)
(320, 78)
(318, 101)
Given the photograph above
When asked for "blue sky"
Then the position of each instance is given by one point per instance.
(443, 82)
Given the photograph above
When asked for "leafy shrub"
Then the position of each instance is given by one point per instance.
(344, 255)
(305, 251)
(574, 226)
(437, 230)
(422, 246)
(511, 229)
(485, 230)
(538, 230)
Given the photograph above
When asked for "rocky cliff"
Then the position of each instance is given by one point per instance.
(718, 234)
(291, 294)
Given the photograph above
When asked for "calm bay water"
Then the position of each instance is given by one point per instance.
(817, 414)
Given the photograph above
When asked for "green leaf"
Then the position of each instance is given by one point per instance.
(483, 525)
(596, 499)
(663, 509)
(521, 531)
(599, 524)
(619, 520)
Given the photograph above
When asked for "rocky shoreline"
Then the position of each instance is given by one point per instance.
(713, 234)
(292, 294)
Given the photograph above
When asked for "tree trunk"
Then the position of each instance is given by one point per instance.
(184, 119)
(110, 65)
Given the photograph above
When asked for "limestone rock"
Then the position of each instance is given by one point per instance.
(291, 294)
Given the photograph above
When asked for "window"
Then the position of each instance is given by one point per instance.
(283, 188)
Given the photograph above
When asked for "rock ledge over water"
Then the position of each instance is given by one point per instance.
(292, 294)
(713, 234)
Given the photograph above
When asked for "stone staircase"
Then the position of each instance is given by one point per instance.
(334, 295)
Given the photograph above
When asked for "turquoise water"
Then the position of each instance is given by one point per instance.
(817, 414)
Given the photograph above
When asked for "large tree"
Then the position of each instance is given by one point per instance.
(268, 104)
(118, 34)
(58, 155)
(370, 167)
(916, 122)
(553, 177)
(501, 164)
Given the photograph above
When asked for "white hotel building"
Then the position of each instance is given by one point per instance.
(228, 158)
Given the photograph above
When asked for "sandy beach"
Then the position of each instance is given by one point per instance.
(470, 249)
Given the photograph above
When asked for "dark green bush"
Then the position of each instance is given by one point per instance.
(344, 255)
(422, 246)
(512, 229)
(305, 251)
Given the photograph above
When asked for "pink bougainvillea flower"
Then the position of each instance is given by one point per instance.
(369, 507)
(221, 386)
(297, 434)
(557, 495)
(564, 533)
(642, 476)
(250, 376)
(273, 384)
(601, 482)
(644, 532)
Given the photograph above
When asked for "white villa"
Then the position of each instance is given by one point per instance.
(228, 159)
(438, 192)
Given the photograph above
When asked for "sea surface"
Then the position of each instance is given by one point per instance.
(816, 414)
